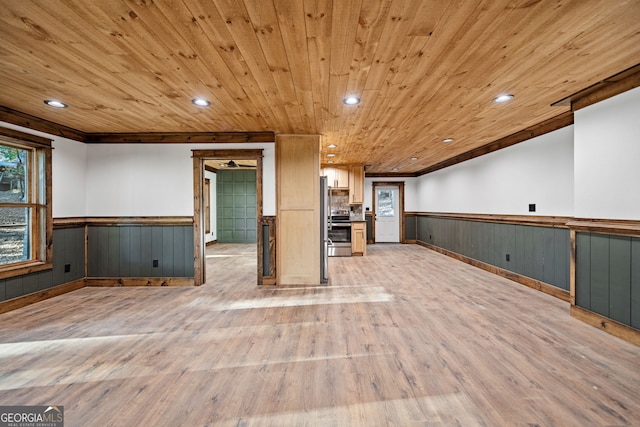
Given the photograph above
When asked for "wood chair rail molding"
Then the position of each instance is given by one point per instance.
(606, 226)
(545, 221)
(69, 222)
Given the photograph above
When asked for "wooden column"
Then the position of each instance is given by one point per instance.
(298, 209)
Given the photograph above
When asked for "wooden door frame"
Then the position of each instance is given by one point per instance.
(206, 198)
(199, 156)
(400, 185)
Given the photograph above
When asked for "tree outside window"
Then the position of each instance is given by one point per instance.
(25, 211)
(14, 221)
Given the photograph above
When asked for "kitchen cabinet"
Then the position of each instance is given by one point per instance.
(356, 185)
(337, 177)
(358, 238)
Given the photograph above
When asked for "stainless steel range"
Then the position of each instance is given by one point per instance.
(339, 234)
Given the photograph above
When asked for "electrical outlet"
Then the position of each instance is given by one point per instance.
(508, 257)
(532, 207)
(67, 268)
(155, 262)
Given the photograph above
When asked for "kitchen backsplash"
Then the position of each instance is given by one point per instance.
(340, 202)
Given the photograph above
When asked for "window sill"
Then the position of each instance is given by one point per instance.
(24, 268)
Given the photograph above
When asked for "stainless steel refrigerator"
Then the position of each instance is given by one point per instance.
(324, 230)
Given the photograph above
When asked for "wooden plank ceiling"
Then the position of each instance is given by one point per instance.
(425, 70)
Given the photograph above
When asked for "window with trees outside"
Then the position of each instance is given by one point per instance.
(25, 203)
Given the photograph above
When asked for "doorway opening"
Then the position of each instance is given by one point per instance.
(388, 212)
(227, 213)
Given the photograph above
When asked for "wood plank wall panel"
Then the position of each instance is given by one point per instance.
(68, 249)
(635, 283)
(236, 206)
(599, 271)
(620, 279)
(410, 227)
(129, 251)
(537, 252)
(583, 274)
(608, 276)
(370, 232)
(562, 254)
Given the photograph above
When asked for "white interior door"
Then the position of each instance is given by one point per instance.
(387, 210)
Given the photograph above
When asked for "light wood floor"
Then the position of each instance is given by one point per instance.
(402, 337)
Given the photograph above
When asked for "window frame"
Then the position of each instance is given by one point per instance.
(39, 183)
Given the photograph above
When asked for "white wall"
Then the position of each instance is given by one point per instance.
(134, 179)
(410, 192)
(156, 179)
(139, 180)
(607, 158)
(68, 170)
(538, 171)
(69, 178)
(213, 205)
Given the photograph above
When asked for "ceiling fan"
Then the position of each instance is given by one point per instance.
(233, 164)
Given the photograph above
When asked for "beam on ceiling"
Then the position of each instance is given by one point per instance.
(179, 137)
(19, 118)
(611, 86)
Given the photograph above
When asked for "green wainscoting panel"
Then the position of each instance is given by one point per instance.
(369, 220)
(409, 228)
(561, 242)
(236, 206)
(505, 244)
(635, 282)
(422, 229)
(620, 279)
(518, 258)
(130, 251)
(113, 251)
(68, 251)
(599, 266)
(541, 253)
(133, 258)
(548, 254)
(583, 270)
(608, 276)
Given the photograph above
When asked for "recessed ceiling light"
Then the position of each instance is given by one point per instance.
(55, 104)
(332, 146)
(413, 158)
(331, 155)
(503, 98)
(448, 140)
(394, 170)
(351, 100)
(200, 102)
